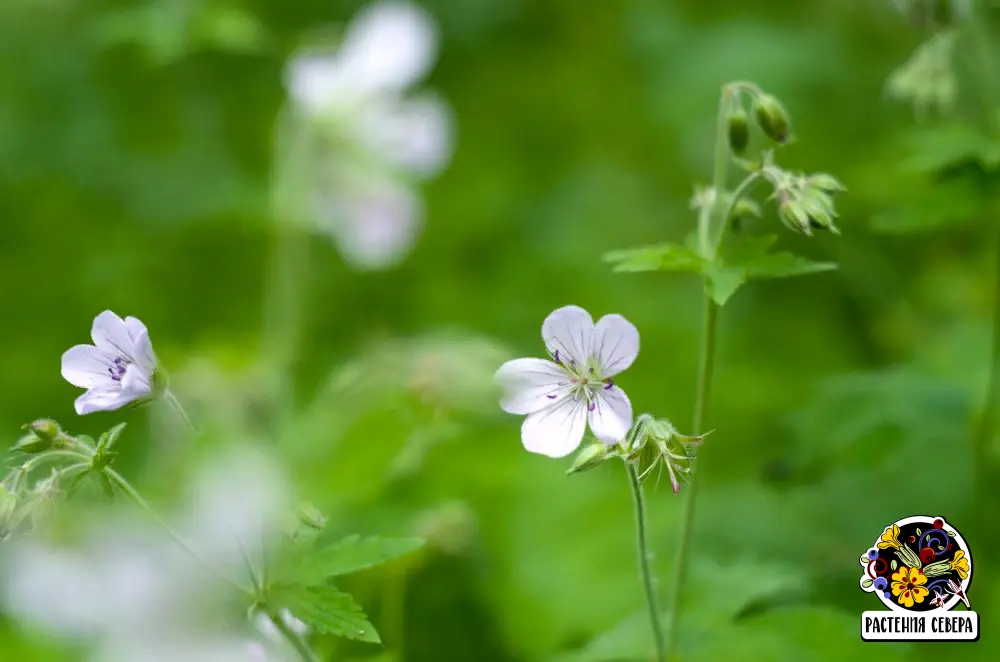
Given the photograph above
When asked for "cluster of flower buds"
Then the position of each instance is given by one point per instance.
(770, 116)
(805, 202)
(43, 434)
(651, 443)
(927, 80)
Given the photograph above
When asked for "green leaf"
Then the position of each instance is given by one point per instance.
(326, 610)
(108, 439)
(351, 554)
(749, 259)
(722, 282)
(661, 257)
(106, 485)
(867, 583)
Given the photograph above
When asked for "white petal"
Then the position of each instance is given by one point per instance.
(530, 385)
(375, 226)
(87, 366)
(611, 416)
(236, 504)
(110, 334)
(557, 430)
(616, 344)
(569, 331)
(142, 352)
(313, 80)
(135, 383)
(389, 46)
(413, 135)
(135, 328)
(98, 399)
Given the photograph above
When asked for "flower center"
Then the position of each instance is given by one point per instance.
(117, 369)
(585, 379)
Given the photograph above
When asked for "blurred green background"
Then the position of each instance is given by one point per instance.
(135, 156)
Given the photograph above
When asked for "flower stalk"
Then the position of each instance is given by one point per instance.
(646, 572)
(719, 212)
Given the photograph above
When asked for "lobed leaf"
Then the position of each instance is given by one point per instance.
(351, 554)
(661, 257)
(325, 610)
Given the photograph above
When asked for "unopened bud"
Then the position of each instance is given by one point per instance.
(32, 443)
(739, 131)
(591, 456)
(772, 118)
(310, 516)
(46, 428)
(826, 183)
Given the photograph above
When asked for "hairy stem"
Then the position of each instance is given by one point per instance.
(720, 211)
(642, 546)
(294, 638)
(179, 408)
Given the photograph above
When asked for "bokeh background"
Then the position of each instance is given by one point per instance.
(135, 165)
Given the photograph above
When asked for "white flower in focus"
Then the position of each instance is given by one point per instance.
(117, 369)
(562, 396)
(373, 140)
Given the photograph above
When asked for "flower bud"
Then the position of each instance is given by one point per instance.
(739, 131)
(826, 183)
(32, 443)
(310, 516)
(772, 118)
(591, 456)
(46, 428)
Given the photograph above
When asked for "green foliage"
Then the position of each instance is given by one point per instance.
(745, 258)
(312, 562)
(324, 609)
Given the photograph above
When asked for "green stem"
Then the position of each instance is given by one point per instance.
(706, 359)
(294, 638)
(138, 499)
(179, 408)
(642, 545)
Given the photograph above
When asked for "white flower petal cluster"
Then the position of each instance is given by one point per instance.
(576, 388)
(117, 369)
(132, 593)
(373, 139)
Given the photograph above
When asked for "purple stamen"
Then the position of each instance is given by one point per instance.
(609, 385)
(558, 360)
(591, 406)
(551, 396)
(117, 369)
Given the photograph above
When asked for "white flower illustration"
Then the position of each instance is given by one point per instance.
(117, 369)
(576, 388)
(370, 141)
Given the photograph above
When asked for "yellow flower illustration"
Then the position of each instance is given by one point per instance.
(960, 564)
(890, 538)
(908, 586)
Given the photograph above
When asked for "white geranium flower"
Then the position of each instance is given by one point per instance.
(561, 397)
(117, 369)
(372, 140)
(133, 593)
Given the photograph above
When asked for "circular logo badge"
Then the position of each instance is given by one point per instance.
(918, 564)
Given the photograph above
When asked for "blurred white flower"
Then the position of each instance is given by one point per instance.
(117, 369)
(562, 396)
(372, 140)
(135, 594)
